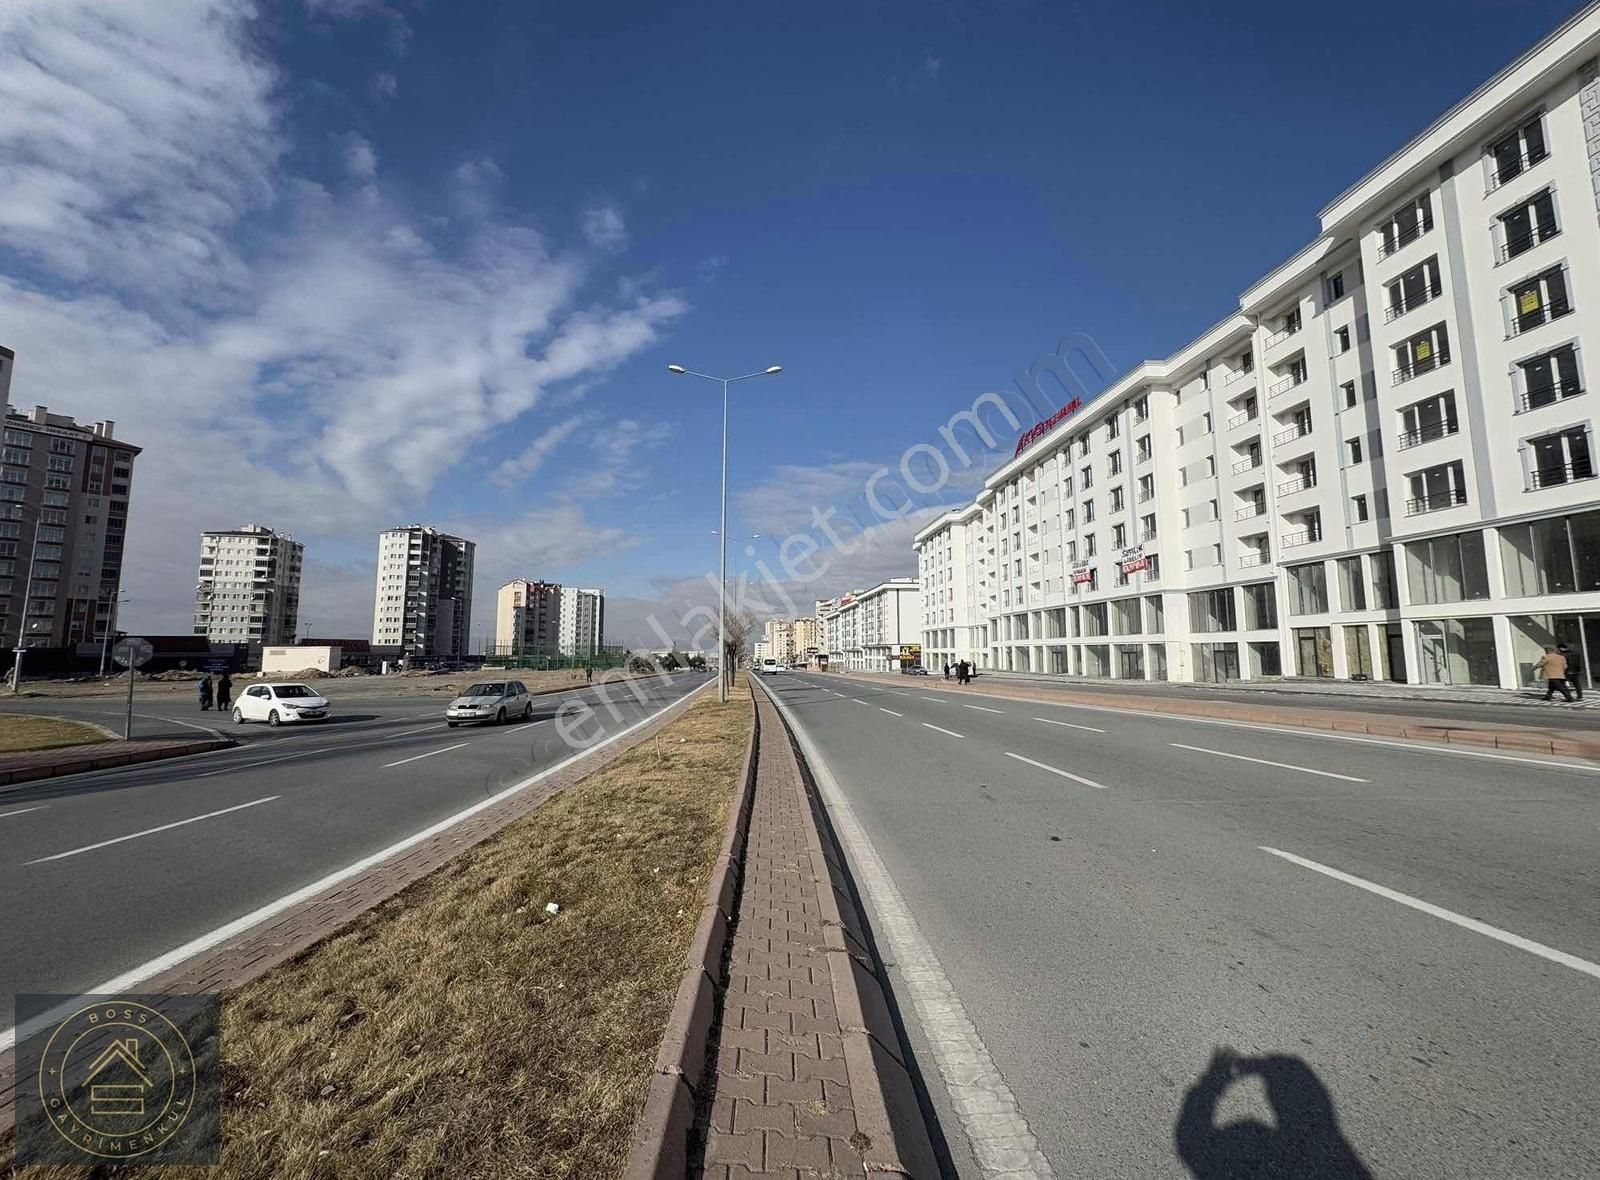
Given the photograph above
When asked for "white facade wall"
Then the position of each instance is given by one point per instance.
(583, 613)
(1381, 466)
(248, 588)
(868, 631)
(423, 600)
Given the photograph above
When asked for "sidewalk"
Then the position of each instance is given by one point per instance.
(1391, 722)
(807, 1076)
(40, 764)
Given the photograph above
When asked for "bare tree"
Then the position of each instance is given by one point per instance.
(741, 625)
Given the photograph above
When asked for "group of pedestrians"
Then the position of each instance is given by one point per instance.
(1561, 669)
(962, 670)
(222, 692)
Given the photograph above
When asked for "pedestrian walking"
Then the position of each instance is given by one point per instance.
(947, 671)
(1552, 668)
(205, 693)
(1575, 669)
(588, 674)
(224, 693)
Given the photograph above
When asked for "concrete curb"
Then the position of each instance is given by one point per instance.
(107, 761)
(661, 1134)
(896, 1140)
(1331, 720)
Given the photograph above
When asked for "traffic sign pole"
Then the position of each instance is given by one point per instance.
(127, 721)
(131, 653)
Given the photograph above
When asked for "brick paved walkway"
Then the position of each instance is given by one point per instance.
(781, 1102)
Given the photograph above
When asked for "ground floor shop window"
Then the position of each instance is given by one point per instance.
(1314, 651)
(1556, 556)
(1531, 634)
(1265, 660)
(1392, 653)
(1216, 661)
(1357, 653)
(1097, 660)
(1447, 569)
(1058, 660)
(1158, 661)
(1130, 664)
(1457, 651)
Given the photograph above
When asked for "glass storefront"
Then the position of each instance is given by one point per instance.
(1314, 649)
(1556, 556)
(1457, 651)
(1531, 634)
(1216, 661)
(1357, 653)
(1447, 569)
(1130, 659)
(1265, 660)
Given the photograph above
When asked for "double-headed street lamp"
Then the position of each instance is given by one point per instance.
(722, 533)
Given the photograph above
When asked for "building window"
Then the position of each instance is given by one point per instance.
(1336, 287)
(1089, 546)
(1119, 536)
(1413, 288)
(1352, 585)
(1260, 606)
(1547, 378)
(1559, 457)
(1558, 555)
(1141, 409)
(1116, 499)
(1147, 527)
(1457, 651)
(1349, 388)
(1212, 610)
(1113, 428)
(1530, 224)
(1115, 463)
(1354, 447)
(1088, 512)
(1341, 339)
(1308, 589)
(1422, 353)
(1429, 419)
(1437, 488)
(1447, 569)
(1358, 505)
(1405, 225)
(1513, 154)
(1536, 301)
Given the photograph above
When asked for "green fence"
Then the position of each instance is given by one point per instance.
(498, 656)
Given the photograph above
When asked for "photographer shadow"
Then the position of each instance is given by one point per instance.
(1306, 1142)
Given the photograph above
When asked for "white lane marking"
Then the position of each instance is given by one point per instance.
(1069, 725)
(897, 692)
(128, 980)
(22, 811)
(429, 754)
(983, 708)
(1088, 782)
(859, 701)
(1427, 907)
(194, 819)
(891, 712)
(942, 729)
(937, 700)
(1349, 778)
(1001, 1141)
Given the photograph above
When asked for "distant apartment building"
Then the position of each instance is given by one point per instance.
(8, 360)
(583, 621)
(248, 590)
(63, 516)
(780, 640)
(807, 637)
(875, 630)
(424, 593)
(1381, 465)
(527, 618)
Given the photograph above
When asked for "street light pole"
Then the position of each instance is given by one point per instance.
(111, 623)
(27, 599)
(724, 673)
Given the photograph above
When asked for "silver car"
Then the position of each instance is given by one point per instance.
(492, 703)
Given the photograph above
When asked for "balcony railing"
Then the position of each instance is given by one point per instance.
(1404, 238)
(1142, 457)
(1298, 484)
(1244, 465)
(1283, 334)
(1514, 247)
(1249, 511)
(1548, 394)
(1294, 432)
(1250, 559)
(1551, 475)
(1286, 384)
(1528, 321)
(1436, 502)
(1249, 415)
(1429, 433)
(1307, 536)
(1147, 535)
(1402, 305)
(1508, 169)
(1437, 360)
(1238, 375)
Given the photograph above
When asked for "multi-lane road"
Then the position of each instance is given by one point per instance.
(1082, 908)
(106, 873)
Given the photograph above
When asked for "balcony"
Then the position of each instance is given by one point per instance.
(1288, 436)
(1528, 321)
(1548, 394)
(1306, 536)
(1298, 484)
(1552, 476)
(1238, 375)
(1404, 238)
(1402, 305)
(1429, 433)
(1508, 168)
(1244, 465)
(1250, 511)
(1283, 334)
(1416, 368)
(1515, 247)
(1436, 502)
(1251, 559)
(1249, 415)
(1284, 386)
(1146, 535)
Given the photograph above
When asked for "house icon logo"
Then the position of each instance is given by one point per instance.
(117, 1080)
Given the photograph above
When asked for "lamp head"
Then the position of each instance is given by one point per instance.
(774, 370)
(679, 369)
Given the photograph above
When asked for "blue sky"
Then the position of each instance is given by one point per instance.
(340, 264)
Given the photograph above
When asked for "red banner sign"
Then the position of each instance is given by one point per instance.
(1137, 564)
(1083, 575)
(1034, 433)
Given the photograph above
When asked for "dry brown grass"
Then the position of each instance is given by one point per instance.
(460, 1031)
(19, 733)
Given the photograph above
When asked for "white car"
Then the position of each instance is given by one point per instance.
(493, 703)
(278, 704)
(769, 667)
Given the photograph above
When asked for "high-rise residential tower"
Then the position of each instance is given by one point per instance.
(249, 586)
(423, 603)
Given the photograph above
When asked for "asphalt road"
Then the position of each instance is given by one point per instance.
(104, 872)
(1099, 893)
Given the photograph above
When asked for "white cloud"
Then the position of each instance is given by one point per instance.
(385, 85)
(323, 381)
(603, 227)
(616, 467)
(541, 448)
(360, 159)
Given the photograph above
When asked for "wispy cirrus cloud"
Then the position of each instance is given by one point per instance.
(534, 455)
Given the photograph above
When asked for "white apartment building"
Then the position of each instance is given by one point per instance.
(872, 630)
(780, 640)
(1381, 466)
(808, 637)
(423, 603)
(249, 586)
(583, 621)
(527, 618)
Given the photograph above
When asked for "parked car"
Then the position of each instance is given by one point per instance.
(914, 670)
(280, 704)
(494, 702)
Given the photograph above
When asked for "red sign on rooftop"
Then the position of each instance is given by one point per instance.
(1034, 433)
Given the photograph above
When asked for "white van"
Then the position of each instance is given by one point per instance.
(769, 667)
